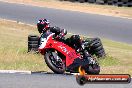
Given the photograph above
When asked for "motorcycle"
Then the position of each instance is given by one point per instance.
(60, 57)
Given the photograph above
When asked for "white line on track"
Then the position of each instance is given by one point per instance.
(15, 71)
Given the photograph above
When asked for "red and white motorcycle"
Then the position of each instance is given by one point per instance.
(60, 57)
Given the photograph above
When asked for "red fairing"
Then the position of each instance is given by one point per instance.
(61, 47)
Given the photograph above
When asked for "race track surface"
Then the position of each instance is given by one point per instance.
(42, 80)
(118, 29)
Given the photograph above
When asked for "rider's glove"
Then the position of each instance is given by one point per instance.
(59, 36)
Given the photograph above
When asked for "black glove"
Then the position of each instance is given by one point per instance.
(59, 36)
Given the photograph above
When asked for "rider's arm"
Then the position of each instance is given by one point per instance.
(55, 30)
(58, 31)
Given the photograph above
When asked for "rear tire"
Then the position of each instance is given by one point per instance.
(94, 70)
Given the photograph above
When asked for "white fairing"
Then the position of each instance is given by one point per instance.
(44, 41)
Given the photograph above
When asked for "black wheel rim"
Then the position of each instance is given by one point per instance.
(59, 64)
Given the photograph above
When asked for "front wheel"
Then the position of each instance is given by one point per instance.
(54, 62)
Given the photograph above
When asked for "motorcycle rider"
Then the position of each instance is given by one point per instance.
(43, 26)
(74, 41)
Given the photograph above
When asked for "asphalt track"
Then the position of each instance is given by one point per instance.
(41, 80)
(118, 29)
(88, 24)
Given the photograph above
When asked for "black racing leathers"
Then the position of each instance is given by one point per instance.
(55, 30)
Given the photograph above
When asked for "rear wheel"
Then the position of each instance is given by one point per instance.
(54, 62)
(93, 69)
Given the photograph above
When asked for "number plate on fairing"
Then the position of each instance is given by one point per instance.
(69, 51)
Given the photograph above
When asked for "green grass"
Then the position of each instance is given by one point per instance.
(121, 51)
(13, 50)
(119, 58)
(109, 61)
(14, 56)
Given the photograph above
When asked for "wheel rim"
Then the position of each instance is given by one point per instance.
(57, 62)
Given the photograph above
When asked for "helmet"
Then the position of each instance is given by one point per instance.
(42, 25)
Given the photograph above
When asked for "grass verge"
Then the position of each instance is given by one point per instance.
(14, 56)
(13, 50)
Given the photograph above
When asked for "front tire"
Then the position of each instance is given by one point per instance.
(49, 59)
